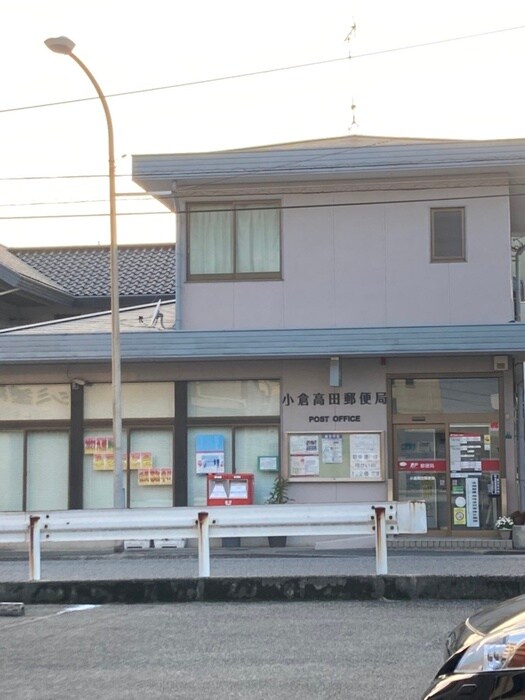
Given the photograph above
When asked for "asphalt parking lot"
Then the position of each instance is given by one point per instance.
(304, 651)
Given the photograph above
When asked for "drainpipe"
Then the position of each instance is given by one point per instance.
(518, 250)
(520, 430)
(180, 219)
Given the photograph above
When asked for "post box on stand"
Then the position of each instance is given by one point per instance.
(230, 490)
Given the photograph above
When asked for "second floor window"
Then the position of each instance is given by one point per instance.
(234, 240)
(448, 235)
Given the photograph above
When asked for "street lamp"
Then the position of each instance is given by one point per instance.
(64, 45)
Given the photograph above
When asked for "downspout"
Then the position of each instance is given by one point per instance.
(517, 281)
(519, 382)
(520, 429)
(180, 223)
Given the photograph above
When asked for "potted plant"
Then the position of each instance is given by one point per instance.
(504, 525)
(278, 494)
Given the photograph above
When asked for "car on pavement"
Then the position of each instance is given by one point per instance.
(485, 656)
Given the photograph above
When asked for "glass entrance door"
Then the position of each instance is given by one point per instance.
(421, 464)
(455, 469)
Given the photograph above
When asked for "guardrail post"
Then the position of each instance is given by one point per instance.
(34, 548)
(380, 527)
(204, 545)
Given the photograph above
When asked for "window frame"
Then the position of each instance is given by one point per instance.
(234, 206)
(455, 258)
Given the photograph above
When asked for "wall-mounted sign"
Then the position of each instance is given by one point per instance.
(335, 398)
(268, 464)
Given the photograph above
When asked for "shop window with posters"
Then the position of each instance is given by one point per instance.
(233, 428)
(231, 450)
(147, 464)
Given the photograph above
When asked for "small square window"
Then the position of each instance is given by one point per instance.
(448, 235)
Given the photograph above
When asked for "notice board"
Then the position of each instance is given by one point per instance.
(348, 456)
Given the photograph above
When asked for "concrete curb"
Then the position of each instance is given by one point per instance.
(304, 588)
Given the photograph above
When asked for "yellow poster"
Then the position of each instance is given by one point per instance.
(96, 445)
(460, 516)
(103, 461)
(155, 477)
(140, 460)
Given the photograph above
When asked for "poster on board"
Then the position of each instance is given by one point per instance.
(209, 454)
(365, 456)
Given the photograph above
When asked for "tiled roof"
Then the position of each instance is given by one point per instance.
(145, 270)
(21, 268)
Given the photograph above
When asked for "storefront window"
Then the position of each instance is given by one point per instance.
(221, 459)
(242, 398)
(151, 487)
(12, 470)
(47, 470)
(470, 395)
(250, 445)
(97, 471)
(237, 450)
(149, 479)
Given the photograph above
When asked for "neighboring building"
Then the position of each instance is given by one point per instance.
(41, 284)
(344, 315)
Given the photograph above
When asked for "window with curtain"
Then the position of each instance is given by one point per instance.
(234, 240)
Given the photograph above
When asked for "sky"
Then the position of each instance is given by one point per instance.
(437, 69)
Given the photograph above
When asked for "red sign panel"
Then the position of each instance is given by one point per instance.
(422, 465)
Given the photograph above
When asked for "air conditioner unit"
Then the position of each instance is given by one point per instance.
(501, 363)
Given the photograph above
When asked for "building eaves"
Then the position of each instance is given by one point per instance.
(170, 345)
(164, 173)
(28, 282)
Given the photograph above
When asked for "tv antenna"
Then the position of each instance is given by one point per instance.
(157, 316)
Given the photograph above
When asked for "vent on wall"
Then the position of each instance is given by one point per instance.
(501, 363)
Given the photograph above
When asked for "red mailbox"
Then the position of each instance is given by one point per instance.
(230, 490)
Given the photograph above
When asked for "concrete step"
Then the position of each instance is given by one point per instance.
(431, 542)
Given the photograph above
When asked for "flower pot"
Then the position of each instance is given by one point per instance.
(518, 537)
(504, 534)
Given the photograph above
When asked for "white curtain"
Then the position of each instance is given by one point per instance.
(211, 240)
(258, 247)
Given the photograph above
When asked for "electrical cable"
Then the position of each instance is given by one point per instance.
(269, 70)
(335, 205)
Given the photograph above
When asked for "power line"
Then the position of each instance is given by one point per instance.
(268, 71)
(146, 196)
(337, 205)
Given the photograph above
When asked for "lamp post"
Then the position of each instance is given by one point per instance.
(65, 46)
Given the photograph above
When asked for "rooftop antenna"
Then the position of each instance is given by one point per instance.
(354, 122)
(348, 37)
(157, 316)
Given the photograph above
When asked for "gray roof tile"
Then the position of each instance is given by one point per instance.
(145, 270)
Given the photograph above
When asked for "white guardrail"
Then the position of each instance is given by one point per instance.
(205, 523)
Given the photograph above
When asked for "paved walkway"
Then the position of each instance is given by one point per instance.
(243, 562)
